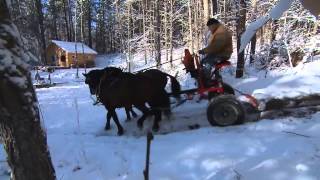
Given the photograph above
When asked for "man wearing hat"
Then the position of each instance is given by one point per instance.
(219, 45)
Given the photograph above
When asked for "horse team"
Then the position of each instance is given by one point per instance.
(117, 89)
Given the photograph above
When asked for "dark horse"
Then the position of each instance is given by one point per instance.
(117, 89)
(162, 80)
(155, 74)
(93, 79)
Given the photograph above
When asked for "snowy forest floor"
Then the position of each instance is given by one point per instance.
(282, 148)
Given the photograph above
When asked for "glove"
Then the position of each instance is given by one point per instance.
(201, 51)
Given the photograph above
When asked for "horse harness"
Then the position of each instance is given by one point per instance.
(98, 90)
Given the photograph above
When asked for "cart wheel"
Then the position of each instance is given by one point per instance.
(225, 110)
(227, 90)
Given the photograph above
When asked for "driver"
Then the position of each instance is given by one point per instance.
(219, 46)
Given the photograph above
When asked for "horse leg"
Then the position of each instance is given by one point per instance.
(157, 119)
(145, 112)
(107, 127)
(128, 114)
(134, 114)
(116, 120)
(158, 104)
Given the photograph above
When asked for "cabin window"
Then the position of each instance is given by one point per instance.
(63, 58)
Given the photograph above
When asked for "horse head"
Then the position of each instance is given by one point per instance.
(92, 78)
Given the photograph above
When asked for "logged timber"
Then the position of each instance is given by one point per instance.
(297, 102)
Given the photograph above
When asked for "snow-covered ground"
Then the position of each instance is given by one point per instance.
(268, 149)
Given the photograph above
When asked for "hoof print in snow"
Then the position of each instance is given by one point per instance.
(107, 128)
(120, 133)
(155, 129)
(194, 126)
(77, 168)
(140, 125)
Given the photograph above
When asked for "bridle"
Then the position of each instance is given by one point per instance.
(98, 90)
(96, 100)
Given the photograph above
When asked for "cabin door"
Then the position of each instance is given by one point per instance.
(63, 61)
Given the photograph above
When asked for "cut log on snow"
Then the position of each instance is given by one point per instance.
(297, 102)
(298, 107)
(301, 112)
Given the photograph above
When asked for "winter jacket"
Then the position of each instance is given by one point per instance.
(220, 43)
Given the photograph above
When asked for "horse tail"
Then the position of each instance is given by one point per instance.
(175, 87)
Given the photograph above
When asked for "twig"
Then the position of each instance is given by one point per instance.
(238, 175)
(297, 134)
(146, 170)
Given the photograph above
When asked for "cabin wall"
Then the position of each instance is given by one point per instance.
(52, 58)
(83, 59)
(55, 58)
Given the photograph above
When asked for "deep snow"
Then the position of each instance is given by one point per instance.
(82, 150)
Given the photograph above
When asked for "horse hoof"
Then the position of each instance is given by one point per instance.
(120, 133)
(107, 128)
(128, 120)
(140, 125)
(155, 129)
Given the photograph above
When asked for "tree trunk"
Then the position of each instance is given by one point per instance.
(171, 30)
(206, 10)
(157, 32)
(166, 38)
(274, 30)
(54, 18)
(144, 8)
(41, 34)
(273, 50)
(253, 48)
(24, 140)
(261, 34)
(89, 23)
(241, 23)
(199, 25)
(100, 34)
(225, 11)
(190, 27)
(65, 10)
(70, 20)
(129, 37)
(254, 38)
(214, 7)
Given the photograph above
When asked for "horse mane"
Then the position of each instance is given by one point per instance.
(94, 75)
(112, 71)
